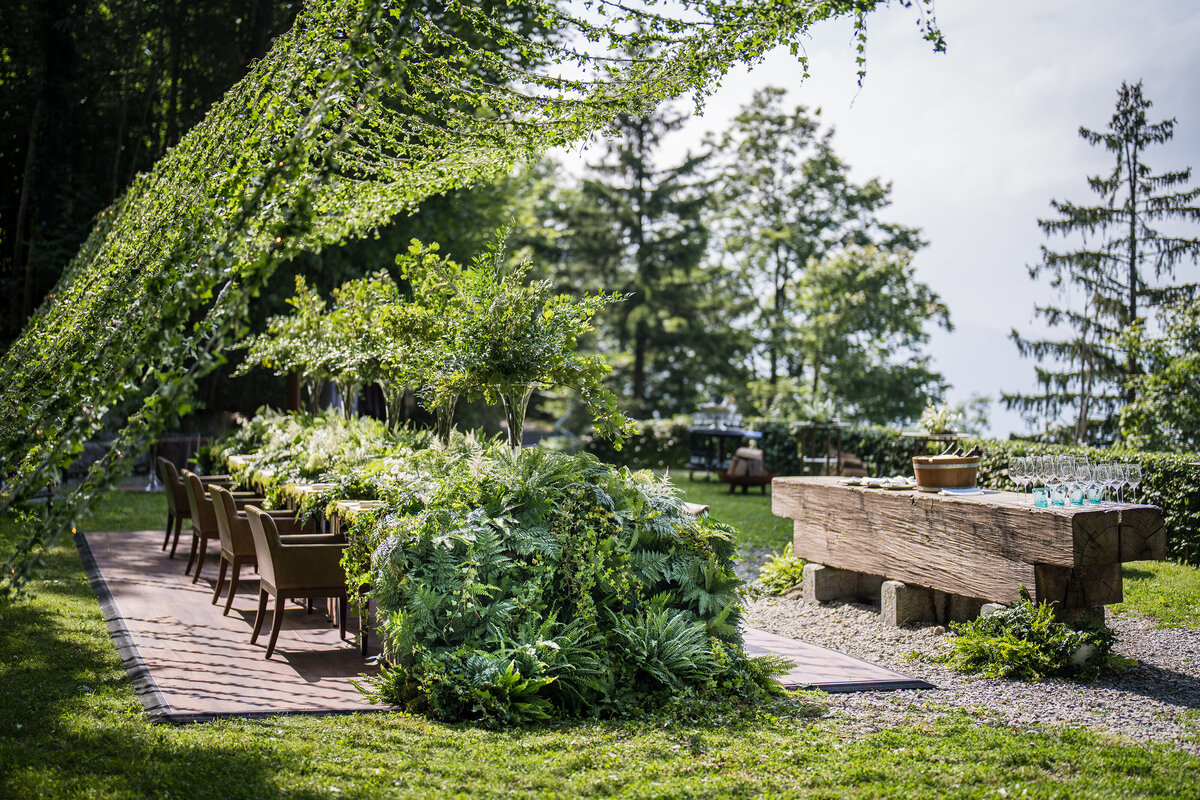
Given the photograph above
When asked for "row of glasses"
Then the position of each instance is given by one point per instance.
(1073, 479)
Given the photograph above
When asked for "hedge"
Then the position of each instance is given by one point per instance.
(1170, 481)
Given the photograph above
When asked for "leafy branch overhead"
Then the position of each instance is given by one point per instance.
(361, 111)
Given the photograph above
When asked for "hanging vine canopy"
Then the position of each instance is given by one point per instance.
(360, 112)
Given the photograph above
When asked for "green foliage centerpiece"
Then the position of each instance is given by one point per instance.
(532, 584)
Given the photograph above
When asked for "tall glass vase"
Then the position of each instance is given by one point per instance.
(515, 404)
(445, 418)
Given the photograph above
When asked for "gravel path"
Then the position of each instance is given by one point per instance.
(1158, 699)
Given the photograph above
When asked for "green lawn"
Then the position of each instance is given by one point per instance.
(750, 513)
(70, 726)
(1166, 592)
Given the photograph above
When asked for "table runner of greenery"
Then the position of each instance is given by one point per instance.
(516, 585)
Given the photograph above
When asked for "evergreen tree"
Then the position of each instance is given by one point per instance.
(785, 198)
(639, 229)
(1117, 274)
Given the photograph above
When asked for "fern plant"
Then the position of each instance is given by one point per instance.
(547, 583)
(781, 572)
(1025, 642)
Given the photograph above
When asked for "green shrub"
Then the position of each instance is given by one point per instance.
(1024, 642)
(781, 572)
(550, 584)
(657, 444)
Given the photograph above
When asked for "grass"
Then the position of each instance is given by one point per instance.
(70, 726)
(1166, 592)
(750, 513)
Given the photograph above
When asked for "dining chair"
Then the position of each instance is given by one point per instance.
(293, 571)
(237, 543)
(178, 507)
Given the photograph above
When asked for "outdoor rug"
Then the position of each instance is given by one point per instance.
(189, 663)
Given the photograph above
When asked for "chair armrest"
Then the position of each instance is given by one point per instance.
(240, 501)
(311, 538)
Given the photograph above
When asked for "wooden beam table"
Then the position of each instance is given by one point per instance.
(981, 546)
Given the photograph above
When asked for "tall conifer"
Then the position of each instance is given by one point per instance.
(639, 228)
(1118, 274)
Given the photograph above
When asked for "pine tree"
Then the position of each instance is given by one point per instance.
(1117, 275)
(639, 229)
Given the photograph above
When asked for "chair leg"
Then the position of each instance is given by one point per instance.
(170, 525)
(204, 540)
(342, 604)
(276, 623)
(192, 555)
(178, 528)
(262, 613)
(233, 584)
(220, 579)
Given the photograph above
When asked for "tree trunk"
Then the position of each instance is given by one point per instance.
(638, 387)
(20, 247)
(178, 12)
(445, 419)
(1131, 367)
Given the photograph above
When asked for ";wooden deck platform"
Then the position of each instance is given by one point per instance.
(189, 663)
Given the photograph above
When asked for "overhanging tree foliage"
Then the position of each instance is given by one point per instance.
(360, 111)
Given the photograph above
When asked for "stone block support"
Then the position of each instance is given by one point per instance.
(900, 603)
(823, 584)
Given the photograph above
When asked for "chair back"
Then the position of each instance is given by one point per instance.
(177, 502)
(203, 516)
(266, 542)
(232, 527)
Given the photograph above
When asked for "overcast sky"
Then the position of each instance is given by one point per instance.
(978, 140)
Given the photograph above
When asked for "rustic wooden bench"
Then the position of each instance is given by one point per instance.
(970, 548)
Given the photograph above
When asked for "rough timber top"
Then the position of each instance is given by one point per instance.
(983, 545)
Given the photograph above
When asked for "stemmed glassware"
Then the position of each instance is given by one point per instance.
(1133, 476)
(1106, 478)
(1122, 479)
(1065, 467)
(1041, 473)
(1085, 475)
(1017, 471)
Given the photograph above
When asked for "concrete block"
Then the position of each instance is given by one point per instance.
(964, 608)
(823, 584)
(1072, 615)
(900, 603)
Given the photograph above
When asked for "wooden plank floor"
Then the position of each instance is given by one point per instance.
(190, 663)
(820, 668)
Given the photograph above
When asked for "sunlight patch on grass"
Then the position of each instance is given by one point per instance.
(1167, 592)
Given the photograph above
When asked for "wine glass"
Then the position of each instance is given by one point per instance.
(1051, 477)
(1133, 477)
(1065, 466)
(1041, 473)
(1105, 478)
(1023, 474)
(1016, 469)
(1085, 474)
